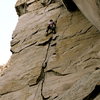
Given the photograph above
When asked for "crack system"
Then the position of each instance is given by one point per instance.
(41, 78)
(42, 75)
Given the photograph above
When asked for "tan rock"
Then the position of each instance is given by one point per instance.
(91, 10)
(82, 88)
(60, 65)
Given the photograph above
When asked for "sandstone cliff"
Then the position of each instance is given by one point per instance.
(61, 66)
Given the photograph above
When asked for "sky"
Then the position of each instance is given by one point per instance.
(8, 21)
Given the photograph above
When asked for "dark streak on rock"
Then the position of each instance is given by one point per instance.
(54, 44)
(87, 66)
(87, 59)
(13, 52)
(79, 33)
(55, 38)
(83, 32)
(5, 93)
(14, 36)
(45, 42)
(55, 8)
(12, 44)
(98, 3)
(57, 73)
(93, 94)
(97, 68)
(44, 98)
(74, 46)
(35, 32)
(71, 6)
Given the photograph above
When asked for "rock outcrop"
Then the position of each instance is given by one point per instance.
(61, 66)
(91, 9)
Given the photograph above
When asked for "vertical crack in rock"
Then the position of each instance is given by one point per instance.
(44, 98)
(44, 65)
(93, 94)
(41, 78)
(42, 75)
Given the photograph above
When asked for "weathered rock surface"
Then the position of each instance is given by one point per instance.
(61, 66)
(91, 9)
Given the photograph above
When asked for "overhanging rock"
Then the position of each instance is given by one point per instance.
(90, 8)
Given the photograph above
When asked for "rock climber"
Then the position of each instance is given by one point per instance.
(51, 27)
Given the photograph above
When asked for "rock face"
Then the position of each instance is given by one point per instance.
(61, 66)
(91, 9)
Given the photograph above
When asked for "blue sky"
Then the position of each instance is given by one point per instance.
(8, 21)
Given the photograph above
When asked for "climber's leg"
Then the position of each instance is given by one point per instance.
(54, 30)
(48, 28)
(47, 31)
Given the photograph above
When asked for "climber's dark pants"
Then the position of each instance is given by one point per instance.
(52, 30)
